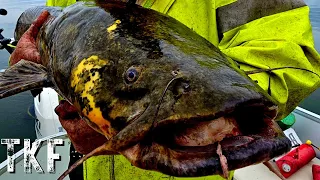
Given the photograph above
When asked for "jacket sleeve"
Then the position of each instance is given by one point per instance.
(60, 3)
(265, 40)
(199, 16)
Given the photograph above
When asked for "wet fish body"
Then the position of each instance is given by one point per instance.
(134, 74)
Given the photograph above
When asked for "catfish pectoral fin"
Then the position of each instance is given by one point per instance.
(23, 76)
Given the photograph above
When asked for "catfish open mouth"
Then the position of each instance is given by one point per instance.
(208, 145)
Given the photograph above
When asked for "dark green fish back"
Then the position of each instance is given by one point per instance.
(30, 15)
(126, 35)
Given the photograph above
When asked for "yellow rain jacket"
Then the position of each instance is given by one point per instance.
(257, 35)
(61, 3)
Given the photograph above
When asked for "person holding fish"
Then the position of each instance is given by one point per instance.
(271, 41)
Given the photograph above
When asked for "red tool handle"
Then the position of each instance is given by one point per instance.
(295, 159)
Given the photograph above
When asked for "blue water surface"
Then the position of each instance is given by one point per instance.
(15, 122)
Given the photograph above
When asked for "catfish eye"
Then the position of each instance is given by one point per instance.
(131, 75)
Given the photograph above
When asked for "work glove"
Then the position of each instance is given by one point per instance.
(82, 136)
(26, 48)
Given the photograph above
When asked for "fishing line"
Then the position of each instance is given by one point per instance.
(164, 92)
(29, 113)
(12, 46)
(37, 122)
(80, 161)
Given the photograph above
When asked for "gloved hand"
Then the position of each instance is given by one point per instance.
(82, 136)
(26, 48)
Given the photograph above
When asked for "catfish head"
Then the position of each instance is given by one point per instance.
(170, 114)
(170, 101)
(196, 108)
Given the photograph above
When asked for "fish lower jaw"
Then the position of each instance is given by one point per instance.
(193, 151)
(204, 161)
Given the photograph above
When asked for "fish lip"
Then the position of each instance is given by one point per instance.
(189, 161)
(262, 149)
(273, 146)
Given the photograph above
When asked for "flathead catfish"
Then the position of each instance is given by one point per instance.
(164, 97)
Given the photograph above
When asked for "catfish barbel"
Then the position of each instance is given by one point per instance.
(164, 97)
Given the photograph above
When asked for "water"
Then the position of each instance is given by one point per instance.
(311, 103)
(14, 119)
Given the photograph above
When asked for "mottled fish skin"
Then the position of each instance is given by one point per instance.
(30, 15)
(123, 38)
(114, 62)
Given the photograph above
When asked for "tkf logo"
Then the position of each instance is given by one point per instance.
(29, 154)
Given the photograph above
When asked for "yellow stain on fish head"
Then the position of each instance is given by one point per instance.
(83, 81)
(113, 26)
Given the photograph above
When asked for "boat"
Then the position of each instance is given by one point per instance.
(47, 122)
